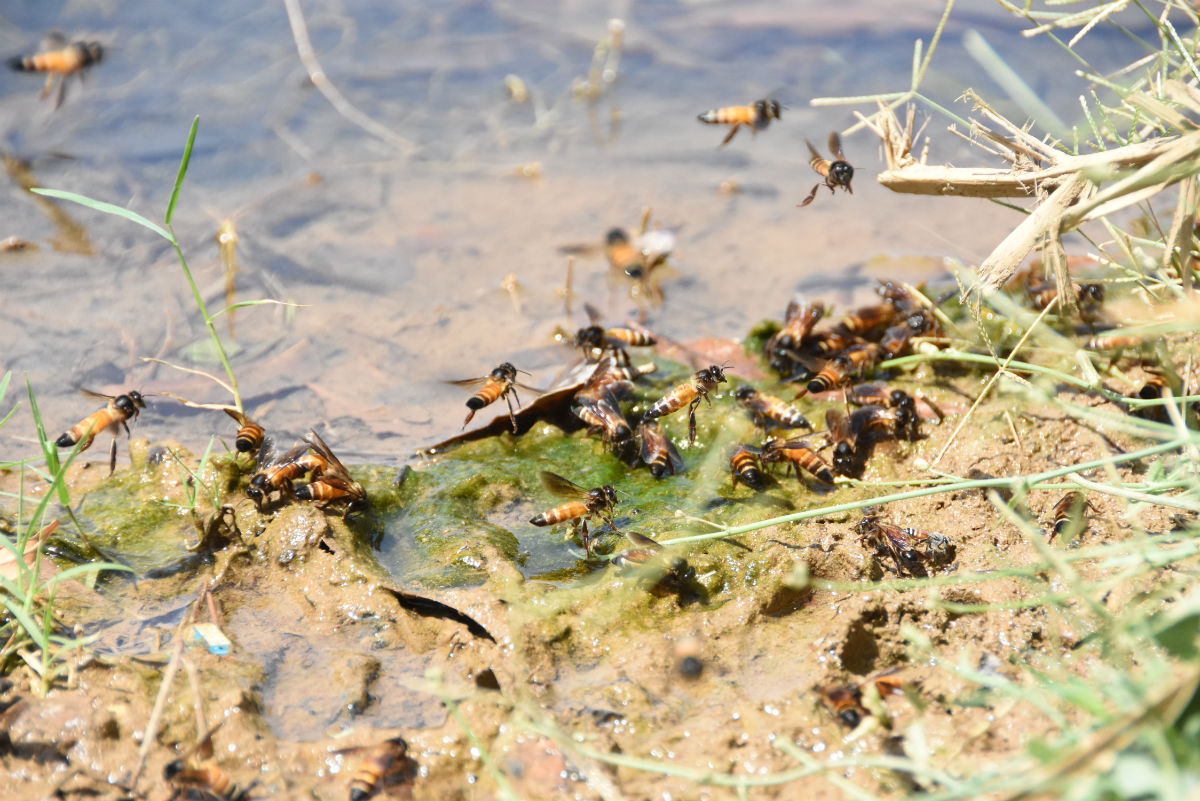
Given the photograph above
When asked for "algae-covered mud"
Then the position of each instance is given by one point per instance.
(889, 535)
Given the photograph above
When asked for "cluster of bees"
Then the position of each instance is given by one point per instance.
(197, 774)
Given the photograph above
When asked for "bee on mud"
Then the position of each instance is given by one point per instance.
(59, 61)
(381, 762)
(277, 472)
(598, 502)
(846, 701)
(1114, 342)
(191, 775)
(866, 319)
(649, 552)
(769, 411)
(746, 467)
(689, 394)
(1043, 294)
(500, 383)
(113, 417)
(1069, 515)
(797, 453)
(904, 545)
(756, 117)
(251, 437)
(799, 320)
(332, 483)
(659, 452)
(854, 360)
(836, 173)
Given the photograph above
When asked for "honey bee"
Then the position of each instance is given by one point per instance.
(690, 394)
(658, 451)
(251, 437)
(650, 552)
(332, 484)
(865, 319)
(902, 544)
(756, 117)
(276, 473)
(854, 360)
(1044, 294)
(113, 417)
(829, 343)
(799, 320)
(603, 414)
(500, 383)
(798, 453)
(599, 502)
(595, 340)
(768, 411)
(836, 173)
(877, 393)
(376, 766)
(847, 459)
(60, 60)
(1115, 342)
(1069, 515)
(204, 775)
(846, 701)
(746, 467)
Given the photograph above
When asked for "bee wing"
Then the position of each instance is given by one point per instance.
(527, 388)
(818, 162)
(92, 394)
(642, 541)
(838, 423)
(238, 417)
(558, 485)
(580, 249)
(469, 382)
(54, 40)
(291, 455)
(835, 146)
(339, 471)
(592, 313)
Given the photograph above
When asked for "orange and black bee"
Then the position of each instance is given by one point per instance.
(746, 467)
(689, 394)
(1069, 515)
(251, 437)
(865, 319)
(276, 474)
(836, 173)
(658, 451)
(769, 411)
(650, 553)
(1043, 294)
(846, 701)
(376, 766)
(60, 61)
(600, 502)
(877, 393)
(332, 483)
(798, 453)
(203, 775)
(1114, 342)
(500, 383)
(799, 320)
(854, 360)
(756, 117)
(904, 545)
(830, 343)
(113, 417)
(595, 340)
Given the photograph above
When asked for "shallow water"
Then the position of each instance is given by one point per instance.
(399, 258)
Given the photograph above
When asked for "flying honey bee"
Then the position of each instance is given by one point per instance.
(797, 453)
(60, 61)
(689, 394)
(204, 775)
(332, 484)
(836, 173)
(377, 766)
(113, 417)
(500, 383)
(846, 701)
(1069, 515)
(854, 360)
(769, 411)
(745, 466)
(658, 451)
(649, 552)
(756, 117)
(599, 502)
(250, 436)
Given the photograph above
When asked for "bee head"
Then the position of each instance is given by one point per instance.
(842, 172)
(745, 392)
(616, 236)
(505, 372)
(1093, 292)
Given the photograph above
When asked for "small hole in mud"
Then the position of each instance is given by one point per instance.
(486, 680)
(860, 650)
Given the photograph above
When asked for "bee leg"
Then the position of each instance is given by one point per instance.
(470, 414)
(587, 540)
(512, 416)
(46, 89)
(811, 196)
(729, 136)
(112, 457)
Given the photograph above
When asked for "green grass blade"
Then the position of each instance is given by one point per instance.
(48, 447)
(107, 208)
(25, 619)
(183, 168)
